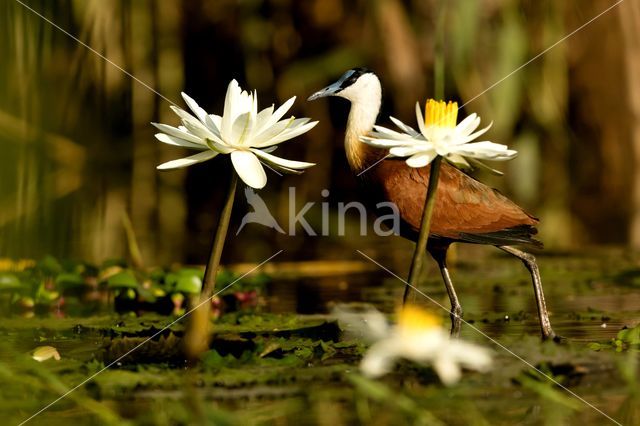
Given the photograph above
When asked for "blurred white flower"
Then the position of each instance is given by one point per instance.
(43, 353)
(438, 135)
(417, 336)
(247, 135)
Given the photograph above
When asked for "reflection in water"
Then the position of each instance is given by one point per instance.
(495, 293)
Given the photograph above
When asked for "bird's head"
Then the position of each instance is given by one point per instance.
(356, 85)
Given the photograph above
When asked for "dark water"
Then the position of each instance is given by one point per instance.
(591, 296)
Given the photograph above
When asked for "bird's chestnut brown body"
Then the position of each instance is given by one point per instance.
(466, 210)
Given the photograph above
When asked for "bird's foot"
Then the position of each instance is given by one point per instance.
(456, 322)
(549, 334)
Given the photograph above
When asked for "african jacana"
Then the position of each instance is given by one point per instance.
(466, 210)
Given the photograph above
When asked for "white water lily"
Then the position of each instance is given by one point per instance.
(417, 336)
(439, 135)
(247, 135)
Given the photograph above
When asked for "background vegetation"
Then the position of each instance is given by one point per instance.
(77, 150)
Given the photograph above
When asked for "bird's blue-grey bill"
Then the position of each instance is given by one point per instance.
(327, 91)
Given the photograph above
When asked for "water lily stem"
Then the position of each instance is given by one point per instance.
(423, 237)
(209, 282)
(197, 336)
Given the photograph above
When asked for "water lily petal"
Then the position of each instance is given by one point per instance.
(282, 162)
(249, 169)
(281, 111)
(180, 133)
(269, 126)
(282, 131)
(407, 129)
(213, 123)
(171, 140)
(404, 151)
(218, 147)
(421, 124)
(388, 143)
(188, 161)
(385, 133)
(458, 161)
(296, 129)
(447, 369)
(469, 355)
(475, 135)
(240, 129)
(193, 105)
(184, 115)
(421, 159)
(468, 125)
(380, 357)
(269, 133)
(230, 103)
(485, 150)
(245, 104)
(216, 120)
(262, 119)
(196, 128)
(443, 149)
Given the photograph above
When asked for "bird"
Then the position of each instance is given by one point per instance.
(466, 210)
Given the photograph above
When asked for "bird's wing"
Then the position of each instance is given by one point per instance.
(465, 209)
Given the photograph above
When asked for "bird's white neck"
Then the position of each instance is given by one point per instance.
(362, 117)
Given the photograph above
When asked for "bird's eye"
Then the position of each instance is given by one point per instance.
(350, 80)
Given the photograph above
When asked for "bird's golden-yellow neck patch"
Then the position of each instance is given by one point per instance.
(441, 114)
(360, 155)
(362, 117)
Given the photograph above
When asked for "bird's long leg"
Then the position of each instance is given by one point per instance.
(440, 256)
(530, 262)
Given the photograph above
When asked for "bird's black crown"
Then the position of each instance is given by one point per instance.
(356, 73)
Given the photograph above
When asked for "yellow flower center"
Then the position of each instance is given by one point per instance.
(441, 114)
(413, 318)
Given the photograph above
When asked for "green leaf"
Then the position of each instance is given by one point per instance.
(49, 265)
(190, 284)
(9, 282)
(69, 280)
(44, 296)
(121, 280)
(146, 295)
(186, 280)
(225, 278)
(630, 336)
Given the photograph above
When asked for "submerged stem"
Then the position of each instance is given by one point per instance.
(425, 227)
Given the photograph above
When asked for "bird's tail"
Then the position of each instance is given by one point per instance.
(518, 235)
